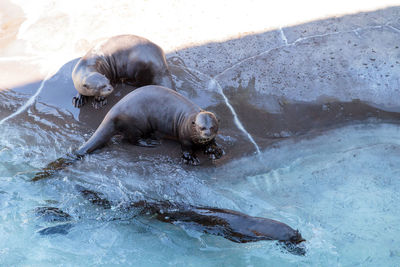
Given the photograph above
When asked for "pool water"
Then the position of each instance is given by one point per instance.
(339, 188)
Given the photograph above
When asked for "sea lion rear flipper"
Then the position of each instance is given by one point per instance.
(100, 137)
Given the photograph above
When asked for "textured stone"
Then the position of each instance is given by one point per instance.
(341, 66)
(214, 57)
(342, 23)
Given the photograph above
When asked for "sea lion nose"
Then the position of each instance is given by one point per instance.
(207, 133)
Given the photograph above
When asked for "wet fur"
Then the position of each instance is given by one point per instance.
(232, 225)
(143, 112)
(123, 58)
(152, 109)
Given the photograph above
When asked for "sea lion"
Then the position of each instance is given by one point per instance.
(127, 58)
(151, 109)
(141, 113)
(232, 225)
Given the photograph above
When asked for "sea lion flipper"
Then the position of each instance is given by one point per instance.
(213, 150)
(189, 157)
(100, 137)
(79, 100)
(99, 101)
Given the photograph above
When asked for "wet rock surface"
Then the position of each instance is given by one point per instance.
(280, 83)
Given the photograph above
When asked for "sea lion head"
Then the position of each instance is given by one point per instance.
(270, 229)
(205, 127)
(96, 84)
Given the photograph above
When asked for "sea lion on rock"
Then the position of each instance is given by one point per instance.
(141, 113)
(151, 109)
(127, 58)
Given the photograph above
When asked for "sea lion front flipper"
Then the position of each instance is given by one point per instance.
(213, 150)
(54, 166)
(79, 100)
(189, 157)
(99, 101)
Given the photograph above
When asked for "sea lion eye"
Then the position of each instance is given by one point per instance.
(85, 85)
(203, 128)
(193, 122)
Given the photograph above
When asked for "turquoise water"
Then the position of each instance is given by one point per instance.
(339, 188)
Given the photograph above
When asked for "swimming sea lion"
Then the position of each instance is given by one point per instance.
(232, 225)
(127, 58)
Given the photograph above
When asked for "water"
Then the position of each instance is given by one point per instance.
(339, 188)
